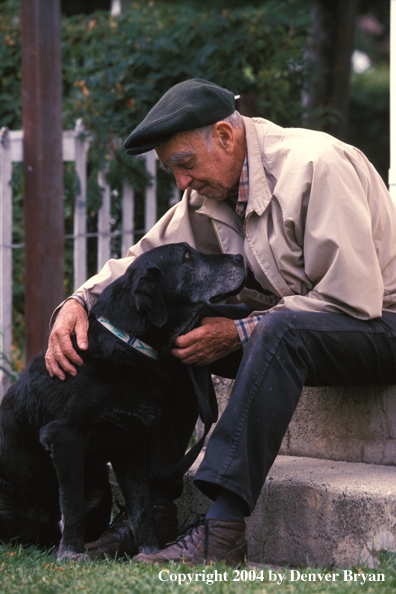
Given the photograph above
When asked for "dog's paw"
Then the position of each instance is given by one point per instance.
(148, 550)
(72, 556)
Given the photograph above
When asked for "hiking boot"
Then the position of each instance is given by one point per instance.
(119, 541)
(204, 541)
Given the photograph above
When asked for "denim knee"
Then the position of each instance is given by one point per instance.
(275, 324)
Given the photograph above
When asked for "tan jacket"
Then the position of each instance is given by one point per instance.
(319, 232)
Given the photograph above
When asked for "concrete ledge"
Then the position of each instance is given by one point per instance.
(317, 512)
(350, 424)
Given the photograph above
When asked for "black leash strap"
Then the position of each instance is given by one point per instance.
(208, 412)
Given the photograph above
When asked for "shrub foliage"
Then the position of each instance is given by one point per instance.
(115, 69)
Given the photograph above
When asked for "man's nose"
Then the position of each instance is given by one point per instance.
(183, 180)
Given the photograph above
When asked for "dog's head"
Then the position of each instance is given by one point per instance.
(168, 286)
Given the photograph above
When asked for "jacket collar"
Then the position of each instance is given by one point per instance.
(222, 211)
(259, 191)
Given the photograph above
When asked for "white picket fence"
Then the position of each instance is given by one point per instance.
(75, 148)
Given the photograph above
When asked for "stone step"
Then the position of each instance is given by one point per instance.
(316, 512)
(349, 424)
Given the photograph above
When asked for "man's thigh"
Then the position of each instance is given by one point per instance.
(339, 349)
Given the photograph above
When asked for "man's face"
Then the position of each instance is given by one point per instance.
(213, 171)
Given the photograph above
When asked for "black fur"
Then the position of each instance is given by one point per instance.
(56, 437)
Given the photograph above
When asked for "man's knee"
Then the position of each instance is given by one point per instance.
(275, 324)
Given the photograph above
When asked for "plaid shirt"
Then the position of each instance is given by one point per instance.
(244, 327)
(243, 190)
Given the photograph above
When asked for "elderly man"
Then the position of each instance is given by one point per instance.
(317, 228)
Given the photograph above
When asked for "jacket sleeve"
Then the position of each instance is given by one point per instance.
(335, 231)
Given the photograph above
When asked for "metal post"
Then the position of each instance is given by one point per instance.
(43, 179)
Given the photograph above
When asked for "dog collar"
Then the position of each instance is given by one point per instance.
(135, 343)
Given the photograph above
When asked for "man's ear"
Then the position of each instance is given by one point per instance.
(148, 298)
(224, 134)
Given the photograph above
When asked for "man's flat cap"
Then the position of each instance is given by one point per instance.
(191, 104)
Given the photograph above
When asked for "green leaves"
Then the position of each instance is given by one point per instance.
(115, 69)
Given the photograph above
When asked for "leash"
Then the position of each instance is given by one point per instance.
(208, 412)
(132, 341)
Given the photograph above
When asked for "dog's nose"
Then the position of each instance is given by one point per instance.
(238, 259)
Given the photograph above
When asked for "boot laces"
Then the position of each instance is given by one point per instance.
(184, 531)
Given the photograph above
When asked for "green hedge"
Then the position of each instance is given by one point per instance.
(368, 126)
(115, 69)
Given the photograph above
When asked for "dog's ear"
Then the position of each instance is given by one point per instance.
(148, 298)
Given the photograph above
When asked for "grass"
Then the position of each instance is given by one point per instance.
(30, 571)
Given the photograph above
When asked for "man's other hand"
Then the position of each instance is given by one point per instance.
(60, 356)
(214, 339)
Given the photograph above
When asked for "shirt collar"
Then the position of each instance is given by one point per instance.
(243, 191)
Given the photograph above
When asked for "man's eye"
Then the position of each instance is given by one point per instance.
(166, 168)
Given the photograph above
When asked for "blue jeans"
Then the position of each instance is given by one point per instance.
(286, 351)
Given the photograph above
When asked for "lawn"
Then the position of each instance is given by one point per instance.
(29, 571)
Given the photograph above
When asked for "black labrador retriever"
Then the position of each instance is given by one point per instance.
(56, 437)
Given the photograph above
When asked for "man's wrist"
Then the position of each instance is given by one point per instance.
(79, 300)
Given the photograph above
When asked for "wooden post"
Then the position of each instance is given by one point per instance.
(104, 224)
(128, 215)
(392, 170)
(43, 179)
(5, 260)
(80, 207)
(150, 204)
(330, 47)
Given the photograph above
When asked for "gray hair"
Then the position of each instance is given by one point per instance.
(235, 120)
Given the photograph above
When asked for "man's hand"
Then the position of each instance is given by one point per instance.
(214, 339)
(72, 319)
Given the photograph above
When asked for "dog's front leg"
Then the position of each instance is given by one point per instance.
(66, 447)
(132, 475)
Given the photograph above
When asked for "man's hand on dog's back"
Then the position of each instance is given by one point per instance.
(60, 356)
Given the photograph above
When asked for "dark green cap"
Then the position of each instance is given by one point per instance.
(189, 105)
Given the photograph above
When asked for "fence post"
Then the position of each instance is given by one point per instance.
(150, 206)
(392, 169)
(80, 206)
(128, 227)
(104, 223)
(42, 167)
(5, 260)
